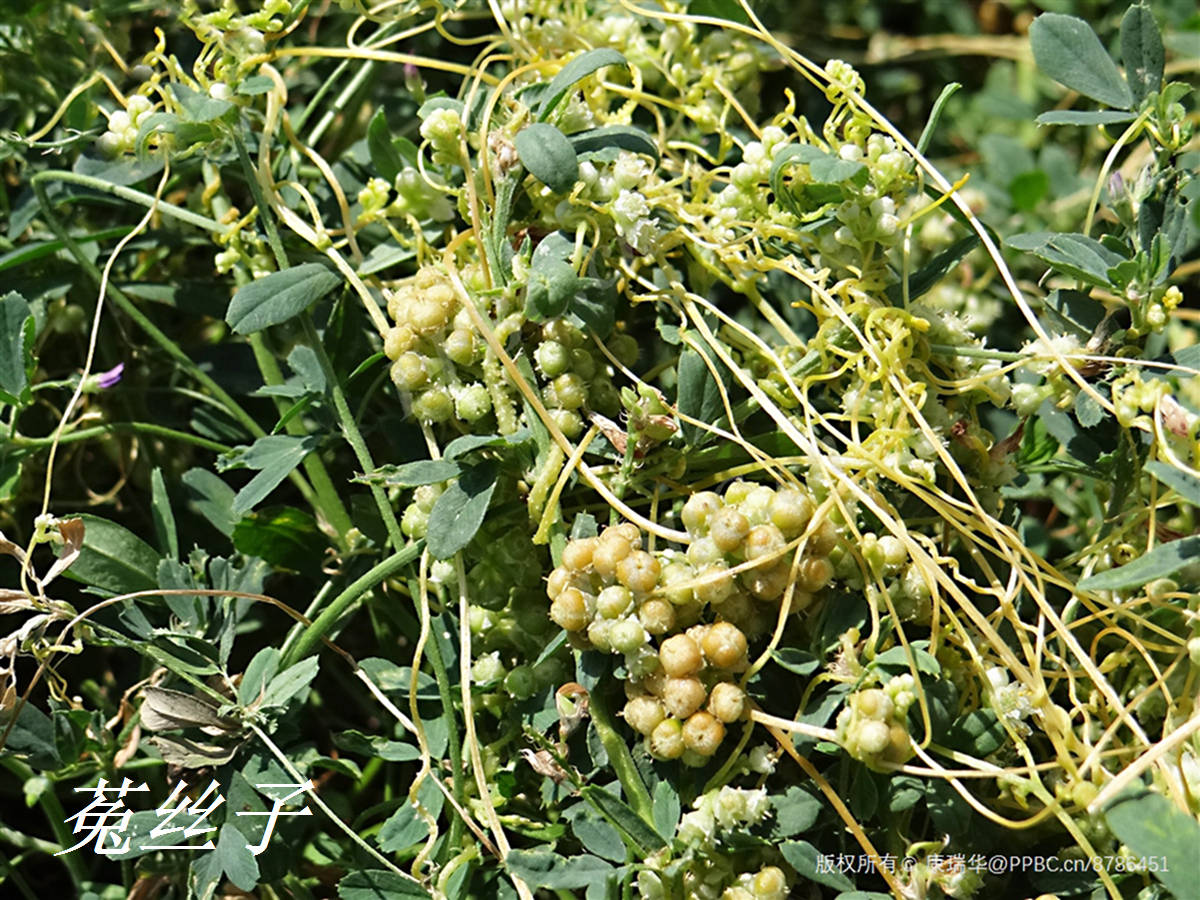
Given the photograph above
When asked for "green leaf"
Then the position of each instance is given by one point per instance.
(240, 865)
(212, 498)
(199, 108)
(378, 884)
(1028, 189)
(290, 682)
(1152, 826)
(277, 297)
(796, 810)
(1084, 117)
(572, 73)
(259, 672)
(802, 856)
(164, 709)
(384, 156)
(374, 745)
(548, 155)
(595, 833)
(666, 809)
(459, 511)
(699, 392)
(413, 474)
(163, 516)
(1141, 52)
(255, 85)
(1088, 411)
(32, 737)
(924, 279)
(1072, 254)
(286, 537)
(406, 826)
(17, 332)
(619, 813)
(1067, 50)
(274, 456)
(552, 279)
(1074, 312)
(823, 167)
(1185, 484)
(114, 558)
(935, 115)
(623, 137)
(1161, 562)
(898, 658)
(730, 10)
(553, 872)
(796, 661)
(978, 732)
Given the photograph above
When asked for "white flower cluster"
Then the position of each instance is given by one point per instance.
(722, 811)
(1009, 701)
(124, 124)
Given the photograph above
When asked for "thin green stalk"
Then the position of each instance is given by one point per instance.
(130, 309)
(57, 816)
(454, 745)
(311, 636)
(127, 193)
(85, 434)
(622, 761)
(328, 504)
(350, 430)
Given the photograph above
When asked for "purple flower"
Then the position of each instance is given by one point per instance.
(107, 379)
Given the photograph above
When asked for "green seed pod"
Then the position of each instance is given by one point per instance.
(657, 616)
(434, 405)
(680, 656)
(791, 511)
(639, 571)
(614, 601)
(666, 740)
(644, 713)
(698, 510)
(472, 403)
(552, 358)
(703, 733)
(627, 636)
(728, 528)
(409, 371)
(569, 610)
(460, 347)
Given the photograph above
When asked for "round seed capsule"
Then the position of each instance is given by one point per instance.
(724, 645)
(673, 576)
(767, 583)
(614, 601)
(610, 550)
(644, 714)
(814, 573)
(763, 541)
(682, 696)
(409, 372)
(728, 528)
(426, 315)
(571, 391)
(769, 883)
(703, 551)
(824, 539)
(577, 554)
(569, 610)
(738, 491)
(460, 347)
(873, 703)
(703, 733)
(599, 632)
(757, 505)
(697, 511)
(558, 581)
(434, 405)
(666, 740)
(872, 736)
(714, 586)
(791, 511)
(680, 656)
(657, 616)
(899, 746)
(727, 701)
(627, 636)
(630, 532)
(639, 571)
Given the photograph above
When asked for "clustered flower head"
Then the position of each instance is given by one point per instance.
(872, 727)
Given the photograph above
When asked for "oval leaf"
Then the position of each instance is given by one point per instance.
(548, 155)
(458, 513)
(279, 296)
(1068, 51)
(623, 137)
(1142, 52)
(114, 558)
(1153, 827)
(1161, 562)
(575, 71)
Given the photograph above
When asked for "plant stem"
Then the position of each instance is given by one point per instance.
(125, 193)
(311, 636)
(84, 434)
(48, 801)
(622, 761)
